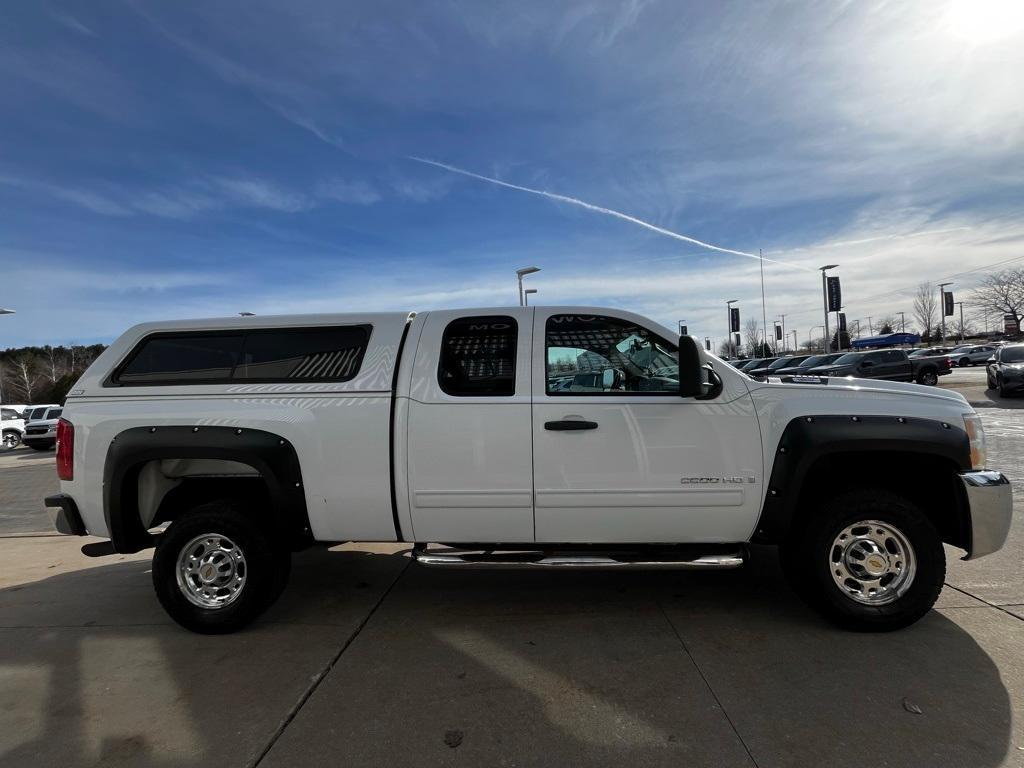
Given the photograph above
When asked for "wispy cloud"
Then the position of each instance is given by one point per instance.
(346, 191)
(601, 209)
(258, 193)
(69, 21)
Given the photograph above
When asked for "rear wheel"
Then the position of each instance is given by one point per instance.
(965, 362)
(930, 378)
(217, 568)
(870, 561)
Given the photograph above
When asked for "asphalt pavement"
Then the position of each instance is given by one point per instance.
(368, 660)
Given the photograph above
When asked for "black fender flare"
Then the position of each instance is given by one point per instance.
(809, 438)
(269, 454)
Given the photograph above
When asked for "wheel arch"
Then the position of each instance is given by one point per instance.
(819, 457)
(205, 463)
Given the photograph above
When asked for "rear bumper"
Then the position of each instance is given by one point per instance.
(68, 519)
(990, 507)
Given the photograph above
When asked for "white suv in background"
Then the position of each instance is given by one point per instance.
(12, 423)
(41, 430)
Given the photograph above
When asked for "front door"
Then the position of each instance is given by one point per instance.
(469, 440)
(619, 456)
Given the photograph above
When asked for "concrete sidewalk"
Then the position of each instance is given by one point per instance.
(370, 660)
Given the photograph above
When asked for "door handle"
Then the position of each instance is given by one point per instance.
(569, 425)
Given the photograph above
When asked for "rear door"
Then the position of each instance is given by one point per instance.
(470, 472)
(895, 365)
(632, 461)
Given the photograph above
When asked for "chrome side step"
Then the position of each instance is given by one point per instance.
(565, 560)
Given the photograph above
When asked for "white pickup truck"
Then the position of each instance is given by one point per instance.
(537, 437)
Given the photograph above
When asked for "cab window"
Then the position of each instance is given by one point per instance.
(478, 357)
(596, 355)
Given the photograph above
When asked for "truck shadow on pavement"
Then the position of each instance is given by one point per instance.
(408, 666)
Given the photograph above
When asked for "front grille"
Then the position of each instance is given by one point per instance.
(37, 430)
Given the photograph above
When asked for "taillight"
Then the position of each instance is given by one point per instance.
(65, 450)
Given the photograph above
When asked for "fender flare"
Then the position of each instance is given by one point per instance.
(271, 455)
(809, 438)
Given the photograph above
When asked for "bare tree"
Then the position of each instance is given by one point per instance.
(1002, 292)
(752, 336)
(887, 324)
(925, 306)
(24, 377)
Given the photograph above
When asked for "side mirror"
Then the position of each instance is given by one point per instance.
(690, 372)
(611, 378)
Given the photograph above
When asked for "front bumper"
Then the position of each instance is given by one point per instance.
(990, 508)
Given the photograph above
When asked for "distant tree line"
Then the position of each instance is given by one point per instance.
(43, 374)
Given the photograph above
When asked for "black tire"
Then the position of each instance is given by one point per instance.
(928, 378)
(41, 446)
(1002, 388)
(266, 567)
(965, 362)
(988, 382)
(806, 561)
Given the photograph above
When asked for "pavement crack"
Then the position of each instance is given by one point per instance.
(986, 602)
(707, 682)
(308, 693)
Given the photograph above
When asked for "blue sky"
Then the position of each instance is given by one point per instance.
(165, 160)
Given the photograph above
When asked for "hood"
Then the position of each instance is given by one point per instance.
(868, 386)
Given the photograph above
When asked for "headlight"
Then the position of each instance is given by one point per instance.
(976, 434)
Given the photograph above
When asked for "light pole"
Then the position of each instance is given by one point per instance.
(903, 322)
(520, 274)
(942, 307)
(782, 318)
(526, 296)
(961, 305)
(728, 324)
(871, 328)
(824, 298)
(810, 332)
(796, 345)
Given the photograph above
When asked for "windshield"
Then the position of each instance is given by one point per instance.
(815, 360)
(1012, 355)
(849, 359)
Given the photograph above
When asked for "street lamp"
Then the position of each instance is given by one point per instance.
(903, 322)
(942, 307)
(782, 319)
(520, 274)
(824, 297)
(811, 332)
(961, 305)
(526, 296)
(728, 324)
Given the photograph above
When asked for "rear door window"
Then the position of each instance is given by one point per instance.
(478, 357)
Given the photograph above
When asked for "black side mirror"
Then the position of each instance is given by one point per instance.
(690, 372)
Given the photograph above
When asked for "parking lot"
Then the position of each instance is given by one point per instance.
(368, 659)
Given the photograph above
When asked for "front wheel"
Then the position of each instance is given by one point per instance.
(217, 568)
(869, 561)
(11, 439)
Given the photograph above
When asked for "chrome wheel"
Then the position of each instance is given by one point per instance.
(211, 571)
(872, 562)
(11, 440)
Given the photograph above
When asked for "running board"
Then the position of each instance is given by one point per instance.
(554, 560)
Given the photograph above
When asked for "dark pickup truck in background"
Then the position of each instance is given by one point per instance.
(891, 364)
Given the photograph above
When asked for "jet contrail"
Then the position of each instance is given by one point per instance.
(600, 209)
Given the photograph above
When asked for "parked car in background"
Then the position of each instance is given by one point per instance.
(929, 351)
(748, 365)
(12, 424)
(762, 368)
(41, 434)
(785, 362)
(808, 363)
(890, 364)
(971, 354)
(36, 412)
(1005, 369)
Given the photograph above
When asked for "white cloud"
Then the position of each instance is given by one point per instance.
(346, 191)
